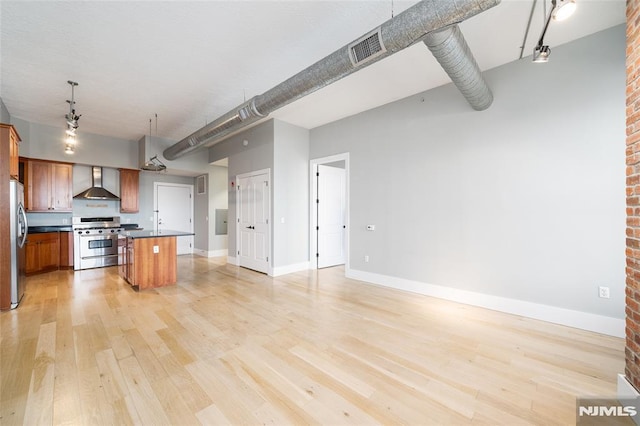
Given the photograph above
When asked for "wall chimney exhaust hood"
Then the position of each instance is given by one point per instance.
(96, 192)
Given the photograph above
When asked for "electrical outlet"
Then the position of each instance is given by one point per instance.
(604, 292)
(156, 249)
(65, 221)
(366, 259)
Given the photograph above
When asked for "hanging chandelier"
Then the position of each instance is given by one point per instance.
(72, 122)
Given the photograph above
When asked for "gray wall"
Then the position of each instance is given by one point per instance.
(218, 199)
(284, 149)
(256, 155)
(111, 181)
(201, 227)
(147, 179)
(5, 117)
(290, 195)
(192, 164)
(46, 142)
(524, 200)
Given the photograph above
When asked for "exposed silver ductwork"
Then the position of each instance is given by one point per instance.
(452, 52)
(400, 32)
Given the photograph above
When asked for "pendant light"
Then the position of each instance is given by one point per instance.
(154, 164)
(72, 122)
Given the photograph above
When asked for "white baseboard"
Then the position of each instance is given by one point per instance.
(627, 391)
(583, 320)
(210, 253)
(288, 269)
(232, 260)
(218, 253)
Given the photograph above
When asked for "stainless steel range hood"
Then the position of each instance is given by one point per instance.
(96, 192)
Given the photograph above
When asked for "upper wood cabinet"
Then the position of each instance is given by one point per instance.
(129, 190)
(9, 136)
(49, 186)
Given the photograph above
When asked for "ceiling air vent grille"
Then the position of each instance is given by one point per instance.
(366, 48)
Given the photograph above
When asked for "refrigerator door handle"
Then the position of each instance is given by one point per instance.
(23, 225)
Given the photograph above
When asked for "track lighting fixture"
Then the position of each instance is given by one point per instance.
(563, 9)
(72, 122)
(560, 10)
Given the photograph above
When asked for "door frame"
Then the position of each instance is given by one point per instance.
(269, 228)
(313, 213)
(155, 206)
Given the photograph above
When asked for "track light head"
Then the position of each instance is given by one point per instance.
(541, 54)
(564, 9)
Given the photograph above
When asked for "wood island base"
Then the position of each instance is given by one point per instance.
(148, 262)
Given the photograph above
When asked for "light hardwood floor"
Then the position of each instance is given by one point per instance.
(231, 346)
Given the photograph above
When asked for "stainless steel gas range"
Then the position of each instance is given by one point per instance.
(95, 241)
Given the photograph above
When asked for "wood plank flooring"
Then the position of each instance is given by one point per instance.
(231, 346)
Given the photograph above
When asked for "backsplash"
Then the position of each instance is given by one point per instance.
(48, 219)
(95, 208)
(84, 208)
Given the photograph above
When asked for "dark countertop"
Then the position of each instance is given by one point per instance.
(152, 234)
(49, 228)
(68, 228)
(130, 227)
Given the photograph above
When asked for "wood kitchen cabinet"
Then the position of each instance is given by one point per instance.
(66, 250)
(129, 190)
(130, 271)
(122, 256)
(9, 135)
(49, 186)
(126, 259)
(42, 252)
(150, 262)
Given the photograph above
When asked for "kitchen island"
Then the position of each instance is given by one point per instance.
(148, 259)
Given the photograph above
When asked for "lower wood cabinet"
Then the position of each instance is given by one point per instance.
(42, 252)
(49, 251)
(66, 250)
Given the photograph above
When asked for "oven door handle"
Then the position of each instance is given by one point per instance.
(102, 256)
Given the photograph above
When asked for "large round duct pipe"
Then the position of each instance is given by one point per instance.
(452, 52)
(400, 32)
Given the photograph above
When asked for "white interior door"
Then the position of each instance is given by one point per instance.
(174, 211)
(253, 207)
(331, 216)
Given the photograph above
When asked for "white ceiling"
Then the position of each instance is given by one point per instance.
(191, 61)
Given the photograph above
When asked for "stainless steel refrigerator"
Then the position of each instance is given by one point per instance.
(19, 230)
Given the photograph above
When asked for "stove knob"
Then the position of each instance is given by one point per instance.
(79, 232)
(86, 232)
(100, 231)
